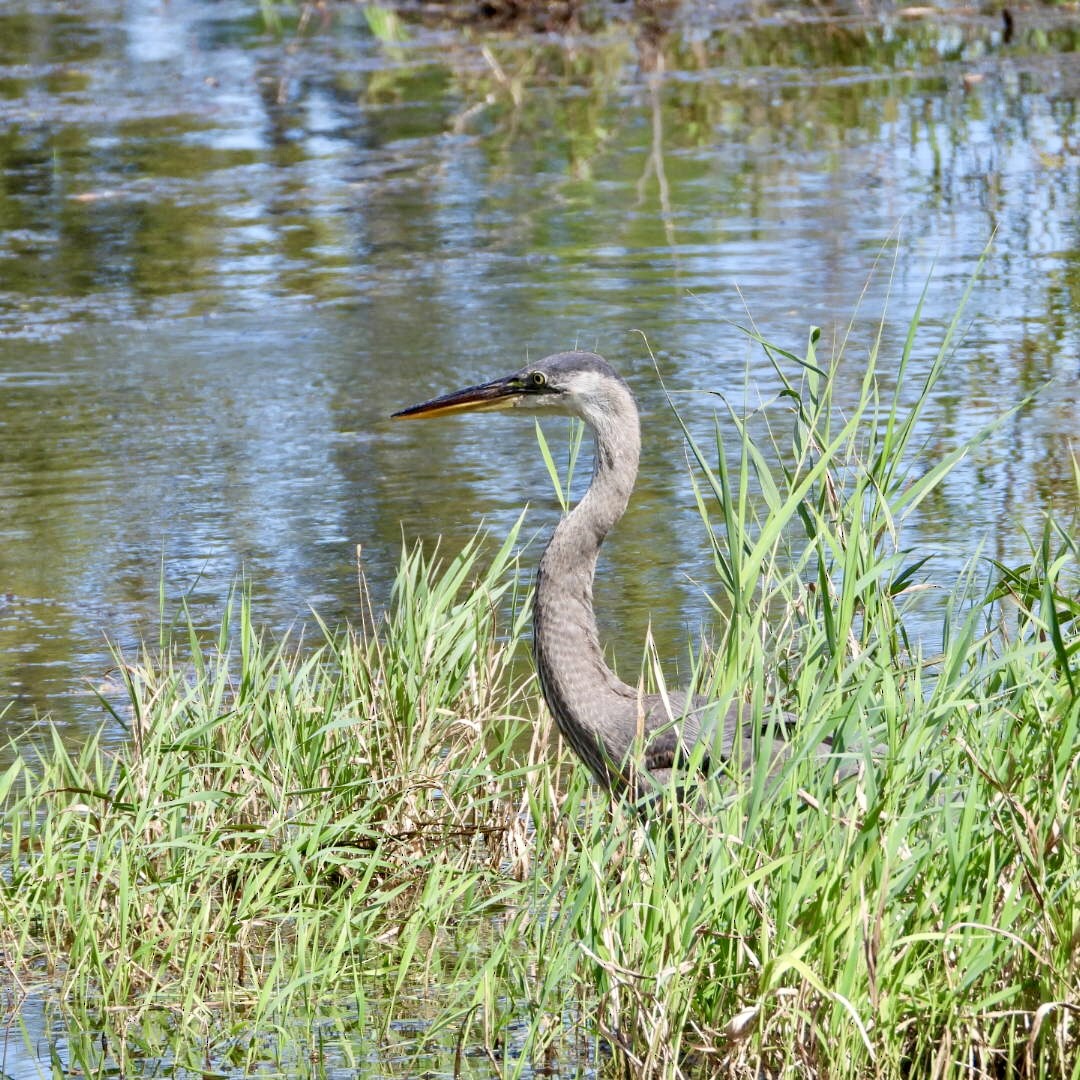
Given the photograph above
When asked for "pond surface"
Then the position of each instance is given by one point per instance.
(228, 253)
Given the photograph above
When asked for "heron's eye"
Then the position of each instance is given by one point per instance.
(537, 379)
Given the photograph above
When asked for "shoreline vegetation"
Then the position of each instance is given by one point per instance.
(388, 21)
(373, 853)
(650, 21)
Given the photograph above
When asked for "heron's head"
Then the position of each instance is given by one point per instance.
(576, 383)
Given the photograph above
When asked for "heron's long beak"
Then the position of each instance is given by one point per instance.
(498, 394)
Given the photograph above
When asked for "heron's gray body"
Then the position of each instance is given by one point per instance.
(629, 740)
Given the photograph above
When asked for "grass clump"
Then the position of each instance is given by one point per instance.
(917, 918)
(282, 821)
(321, 848)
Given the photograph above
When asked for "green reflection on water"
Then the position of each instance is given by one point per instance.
(227, 254)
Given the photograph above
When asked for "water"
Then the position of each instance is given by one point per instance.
(228, 255)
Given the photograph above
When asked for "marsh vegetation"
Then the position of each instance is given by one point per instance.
(371, 852)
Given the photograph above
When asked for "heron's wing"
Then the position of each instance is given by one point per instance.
(676, 725)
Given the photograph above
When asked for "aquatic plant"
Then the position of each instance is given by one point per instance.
(372, 850)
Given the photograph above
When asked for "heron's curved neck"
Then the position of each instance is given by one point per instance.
(579, 687)
(575, 544)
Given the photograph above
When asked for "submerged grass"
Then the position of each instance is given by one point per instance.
(301, 856)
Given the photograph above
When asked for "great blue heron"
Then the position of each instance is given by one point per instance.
(630, 740)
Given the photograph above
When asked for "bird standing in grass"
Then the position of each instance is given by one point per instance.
(631, 741)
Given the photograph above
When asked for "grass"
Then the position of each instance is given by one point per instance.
(375, 855)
